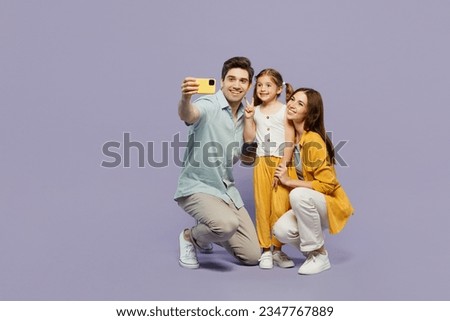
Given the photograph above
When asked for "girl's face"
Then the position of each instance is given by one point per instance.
(296, 107)
(266, 89)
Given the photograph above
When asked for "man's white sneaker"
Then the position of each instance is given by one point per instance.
(315, 263)
(266, 260)
(188, 257)
(282, 260)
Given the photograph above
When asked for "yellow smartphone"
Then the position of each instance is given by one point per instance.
(206, 85)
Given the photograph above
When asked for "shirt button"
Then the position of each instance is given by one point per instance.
(267, 117)
(268, 129)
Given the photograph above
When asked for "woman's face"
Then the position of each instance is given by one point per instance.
(296, 107)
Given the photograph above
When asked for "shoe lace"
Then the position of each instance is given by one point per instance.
(189, 250)
(264, 256)
(312, 255)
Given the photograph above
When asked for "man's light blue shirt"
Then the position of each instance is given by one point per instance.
(214, 145)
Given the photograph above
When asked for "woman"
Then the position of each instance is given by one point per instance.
(318, 201)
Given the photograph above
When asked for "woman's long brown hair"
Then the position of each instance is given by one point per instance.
(315, 118)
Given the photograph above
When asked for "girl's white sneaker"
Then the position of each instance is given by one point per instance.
(282, 260)
(266, 260)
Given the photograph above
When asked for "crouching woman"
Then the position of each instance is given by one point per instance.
(318, 201)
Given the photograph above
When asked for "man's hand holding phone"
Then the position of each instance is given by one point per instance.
(189, 87)
(187, 112)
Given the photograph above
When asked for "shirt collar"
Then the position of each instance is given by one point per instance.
(223, 102)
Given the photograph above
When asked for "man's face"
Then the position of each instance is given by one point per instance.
(235, 85)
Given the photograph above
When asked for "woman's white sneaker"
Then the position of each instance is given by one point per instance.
(315, 263)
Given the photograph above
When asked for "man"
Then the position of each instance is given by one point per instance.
(206, 188)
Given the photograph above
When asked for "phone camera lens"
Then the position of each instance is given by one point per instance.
(211, 82)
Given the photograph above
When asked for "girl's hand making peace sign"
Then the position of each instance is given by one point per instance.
(249, 109)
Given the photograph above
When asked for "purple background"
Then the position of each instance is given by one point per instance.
(76, 74)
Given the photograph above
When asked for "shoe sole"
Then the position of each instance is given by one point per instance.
(266, 267)
(284, 266)
(188, 266)
(326, 267)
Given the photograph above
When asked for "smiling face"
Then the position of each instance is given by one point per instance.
(235, 85)
(296, 107)
(267, 90)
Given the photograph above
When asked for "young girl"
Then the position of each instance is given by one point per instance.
(318, 202)
(267, 123)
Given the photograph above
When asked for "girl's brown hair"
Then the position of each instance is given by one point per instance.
(277, 79)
